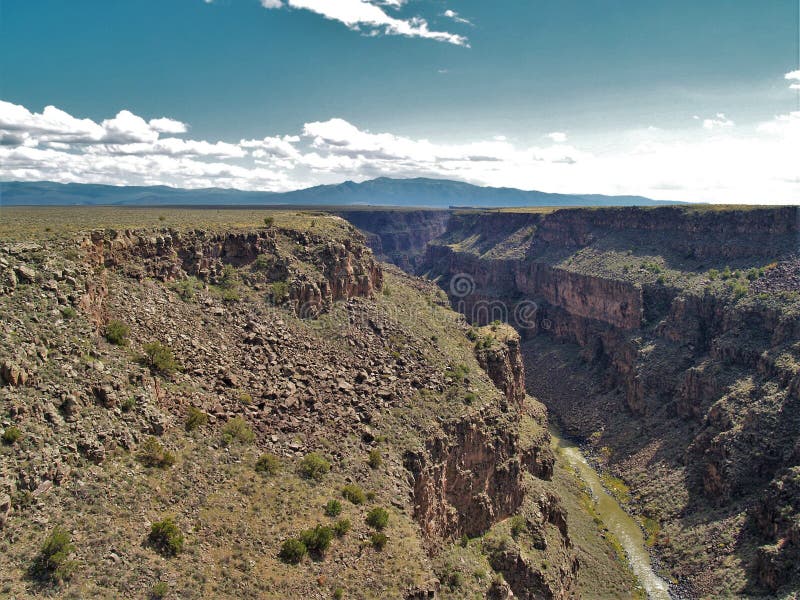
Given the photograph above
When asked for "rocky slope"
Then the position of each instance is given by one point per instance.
(192, 373)
(668, 340)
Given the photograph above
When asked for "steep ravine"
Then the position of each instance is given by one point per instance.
(667, 340)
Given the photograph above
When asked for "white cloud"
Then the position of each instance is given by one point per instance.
(719, 121)
(747, 163)
(793, 76)
(370, 18)
(451, 14)
(164, 125)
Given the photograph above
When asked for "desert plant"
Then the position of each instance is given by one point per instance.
(333, 508)
(195, 419)
(378, 518)
(338, 593)
(160, 358)
(518, 526)
(153, 454)
(186, 288)
(53, 562)
(269, 221)
(354, 493)
(341, 527)
(11, 435)
(128, 404)
(375, 459)
(237, 429)
(292, 551)
(159, 590)
(280, 291)
(166, 537)
(268, 464)
(378, 540)
(318, 539)
(117, 333)
(314, 466)
(68, 312)
(262, 262)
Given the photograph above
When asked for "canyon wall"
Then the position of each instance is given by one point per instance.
(673, 364)
(398, 236)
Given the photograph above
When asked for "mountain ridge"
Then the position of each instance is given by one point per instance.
(382, 191)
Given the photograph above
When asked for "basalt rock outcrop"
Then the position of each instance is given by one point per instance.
(218, 364)
(674, 333)
(399, 236)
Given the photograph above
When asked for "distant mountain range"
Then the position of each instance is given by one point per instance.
(384, 191)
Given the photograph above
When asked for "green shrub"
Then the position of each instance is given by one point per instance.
(262, 262)
(318, 539)
(375, 459)
(341, 527)
(454, 580)
(739, 289)
(333, 508)
(68, 312)
(292, 551)
(519, 525)
(280, 291)
(159, 358)
(354, 493)
(117, 333)
(230, 295)
(469, 398)
(195, 419)
(128, 404)
(661, 279)
(159, 591)
(378, 518)
(268, 464)
(458, 372)
(314, 466)
(237, 429)
(378, 540)
(338, 593)
(11, 435)
(153, 454)
(713, 274)
(186, 288)
(166, 537)
(269, 221)
(53, 562)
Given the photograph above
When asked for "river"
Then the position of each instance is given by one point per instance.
(618, 522)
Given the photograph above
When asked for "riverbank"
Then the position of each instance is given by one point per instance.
(618, 530)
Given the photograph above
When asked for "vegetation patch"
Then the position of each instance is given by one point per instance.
(166, 537)
(53, 563)
(314, 466)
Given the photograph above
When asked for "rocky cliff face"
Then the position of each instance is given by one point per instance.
(218, 366)
(399, 236)
(342, 270)
(668, 356)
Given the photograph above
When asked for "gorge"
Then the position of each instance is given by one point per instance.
(666, 340)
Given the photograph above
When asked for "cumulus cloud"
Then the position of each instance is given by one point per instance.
(164, 125)
(794, 77)
(369, 18)
(747, 163)
(719, 121)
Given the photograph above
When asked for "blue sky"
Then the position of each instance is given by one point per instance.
(614, 96)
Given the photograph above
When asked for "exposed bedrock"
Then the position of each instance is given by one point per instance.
(679, 370)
